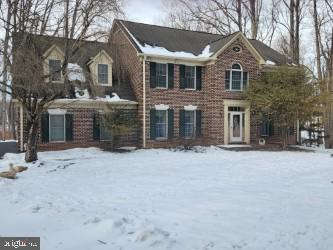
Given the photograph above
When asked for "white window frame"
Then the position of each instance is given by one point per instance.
(61, 76)
(194, 124)
(64, 116)
(166, 124)
(99, 83)
(195, 77)
(166, 77)
(241, 83)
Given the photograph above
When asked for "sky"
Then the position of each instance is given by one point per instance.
(145, 11)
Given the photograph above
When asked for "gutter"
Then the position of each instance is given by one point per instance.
(144, 101)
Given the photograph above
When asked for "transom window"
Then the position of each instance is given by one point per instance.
(189, 124)
(57, 128)
(103, 73)
(161, 75)
(55, 70)
(161, 124)
(190, 72)
(236, 78)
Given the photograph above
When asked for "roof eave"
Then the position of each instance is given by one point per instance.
(174, 58)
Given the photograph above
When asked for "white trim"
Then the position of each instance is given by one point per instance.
(190, 108)
(57, 111)
(161, 107)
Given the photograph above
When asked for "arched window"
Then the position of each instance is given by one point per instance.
(236, 78)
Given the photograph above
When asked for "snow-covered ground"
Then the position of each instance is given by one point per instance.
(161, 199)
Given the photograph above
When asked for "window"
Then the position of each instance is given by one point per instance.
(266, 128)
(57, 128)
(103, 73)
(236, 79)
(189, 124)
(55, 70)
(190, 77)
(161, 75)
(161, 124)
(104, 133)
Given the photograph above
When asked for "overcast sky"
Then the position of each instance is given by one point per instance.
(145, 11)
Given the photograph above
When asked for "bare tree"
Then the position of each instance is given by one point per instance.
(32, 87)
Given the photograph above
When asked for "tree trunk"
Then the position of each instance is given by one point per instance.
(297, 34)
(317, 40)
(292, 30)
(31, 153)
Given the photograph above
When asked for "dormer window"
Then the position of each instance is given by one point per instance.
(103, 73)
(55, 70)
(236, 79)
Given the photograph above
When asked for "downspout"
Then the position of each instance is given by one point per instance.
(21, 129)
(144, 101)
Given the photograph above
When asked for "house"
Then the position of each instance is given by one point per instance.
(189, 85)
(186, 87)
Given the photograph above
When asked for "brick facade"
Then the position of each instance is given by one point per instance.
(210, 99)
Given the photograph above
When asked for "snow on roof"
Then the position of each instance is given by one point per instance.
(75, 72)
(160, 51)
(269, 62)
(83, 95)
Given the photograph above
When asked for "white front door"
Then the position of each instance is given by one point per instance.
(236, 126)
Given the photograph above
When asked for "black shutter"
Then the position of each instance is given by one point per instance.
(69, 127)
(245, 79)
(182, 84)
(152, 124)
(227, 80)
(182, 123)
(152, 75)
(198, 122)
(170, 123)
(45, 127)
(199, 77)
(170, 75)
(96, 127)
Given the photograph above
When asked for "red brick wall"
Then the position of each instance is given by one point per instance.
(209, 99)
(83, 134)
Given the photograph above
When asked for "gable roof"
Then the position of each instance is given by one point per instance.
(186, 43)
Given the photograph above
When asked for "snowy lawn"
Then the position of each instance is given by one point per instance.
(159, 199)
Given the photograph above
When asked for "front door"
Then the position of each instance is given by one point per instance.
(236, 129)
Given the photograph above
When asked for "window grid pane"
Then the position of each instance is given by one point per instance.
(55, 70)
(161, 75)
(189, 124)
(161, 124)
(190, 77)
(236, 80)
(57, 128)
(103, 73)
(105, 134)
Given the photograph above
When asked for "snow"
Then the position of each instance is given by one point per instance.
(75, 72)
(81, 94)
(161, 51)
(269, 62)
(167, 199)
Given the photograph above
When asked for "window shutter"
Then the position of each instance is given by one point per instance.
(227, 80)
(45, 127)
(198, 122)
(96, 127)
(152, 124)
(182, 123)
(170, 75)
(170, 123)
(152, 75)
(69, 127)
(245, 79)
(199, 77)
(182, 76)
